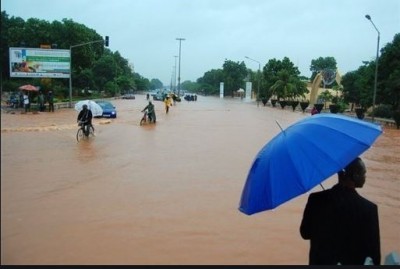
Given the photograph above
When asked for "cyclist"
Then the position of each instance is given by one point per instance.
(85, 117)
(150, 112)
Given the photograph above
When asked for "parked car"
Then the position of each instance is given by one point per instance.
(109, 110)
(128, 96)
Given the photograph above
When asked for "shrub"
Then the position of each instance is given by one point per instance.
(396, 117)
(383, 111)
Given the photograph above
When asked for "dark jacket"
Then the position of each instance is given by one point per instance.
(85, 116)
(150, 108)
(342, 226)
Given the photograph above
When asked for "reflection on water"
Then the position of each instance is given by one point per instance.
(160, 194)
(86, 150)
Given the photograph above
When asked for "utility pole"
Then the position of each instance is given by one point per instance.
(106, 42)
(258, 80)
(175, 75)
(179, 71)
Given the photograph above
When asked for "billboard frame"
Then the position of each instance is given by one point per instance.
(39, 63)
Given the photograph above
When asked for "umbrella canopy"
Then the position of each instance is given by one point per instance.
(92, 105)
(240, 90)
(302, 156)
(29, 87)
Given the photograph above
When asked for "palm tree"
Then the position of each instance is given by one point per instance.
(285, 86)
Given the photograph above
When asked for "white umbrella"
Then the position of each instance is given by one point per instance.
(240, 90)
(92, 105)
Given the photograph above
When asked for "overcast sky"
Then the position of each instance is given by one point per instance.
(145, 31)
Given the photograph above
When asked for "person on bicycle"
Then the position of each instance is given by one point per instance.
(85, 118)
(150, 112)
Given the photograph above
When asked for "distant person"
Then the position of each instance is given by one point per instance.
(150, 112)
(85, 118)
(26, 102)
(21, 100)
(174, 98)
(41, 102)
(342, 226)
(147, 96)
(50, 99)
(314, 111)
(167, 103)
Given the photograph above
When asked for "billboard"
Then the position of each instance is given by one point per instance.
(39, 63)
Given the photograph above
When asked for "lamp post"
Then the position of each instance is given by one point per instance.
(376, 68)
(258, 80)
(70, 63)
(175, 75)
(179, 71)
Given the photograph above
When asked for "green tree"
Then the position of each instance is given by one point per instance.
(388, 91)
(126, 84)
(92, 64)
(326, 96)
(282, 79)
(320, 64)
(234, 75)
(285, 85)
(209, 83)
(156, 84)
(357, 86)
(190, 86)
(142, 83)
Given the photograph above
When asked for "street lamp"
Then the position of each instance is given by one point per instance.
(106, 42)
(258, 80)
(179, 71)
(376, 68)
(175, 74)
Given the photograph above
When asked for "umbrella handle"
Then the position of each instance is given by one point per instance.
(322, 186)
(279, 125)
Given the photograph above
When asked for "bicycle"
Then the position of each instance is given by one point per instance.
(146, 118)
(81, 134)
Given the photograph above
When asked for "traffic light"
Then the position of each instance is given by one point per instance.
(106, 41)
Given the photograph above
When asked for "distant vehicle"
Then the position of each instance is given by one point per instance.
(158, 97)
(153, 93)
(128, 96)
(109, 110)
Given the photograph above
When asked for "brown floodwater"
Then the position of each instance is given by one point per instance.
(161, 194)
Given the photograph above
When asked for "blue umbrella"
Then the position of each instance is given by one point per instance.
(302, 156)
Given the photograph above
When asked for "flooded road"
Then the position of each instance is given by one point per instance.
(161, 194)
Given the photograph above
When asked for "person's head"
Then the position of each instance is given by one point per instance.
(149, 102)
(353, 174)
(84, 107)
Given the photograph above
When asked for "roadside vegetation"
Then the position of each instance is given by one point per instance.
(99, 72)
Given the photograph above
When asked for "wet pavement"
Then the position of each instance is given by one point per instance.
(160, 194)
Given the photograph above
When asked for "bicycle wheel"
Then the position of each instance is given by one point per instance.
(79, 135)
(142, 121)
(91, 131)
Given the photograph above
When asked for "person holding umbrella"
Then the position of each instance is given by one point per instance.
(342, 226)
(26, 102)
(85, 117)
